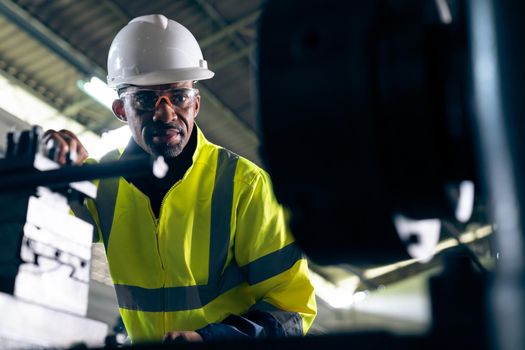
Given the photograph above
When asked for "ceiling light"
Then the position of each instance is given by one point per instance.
(99, 91)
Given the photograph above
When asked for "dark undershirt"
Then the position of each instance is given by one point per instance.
(156, 188)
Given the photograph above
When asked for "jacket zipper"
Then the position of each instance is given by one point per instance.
(157, 220)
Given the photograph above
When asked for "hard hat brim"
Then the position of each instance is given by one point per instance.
(162, 77)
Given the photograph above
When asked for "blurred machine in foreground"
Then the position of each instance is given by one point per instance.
(365, 122)
(386, 124)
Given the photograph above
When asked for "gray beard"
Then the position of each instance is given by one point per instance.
(166, 151)
(172, 152)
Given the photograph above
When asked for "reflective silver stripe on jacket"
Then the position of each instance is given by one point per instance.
(194, 297)
(272, 264)
(221, 210)
(176, 298)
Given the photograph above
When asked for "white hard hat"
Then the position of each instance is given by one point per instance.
(154, 50)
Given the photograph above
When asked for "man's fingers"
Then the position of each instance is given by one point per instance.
(63, 145)
(56, 146)
(173, 337)
(78, 151)
(182, 337)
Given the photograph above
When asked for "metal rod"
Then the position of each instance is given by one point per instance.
(15, 181)
(233, 58)
(501, 170)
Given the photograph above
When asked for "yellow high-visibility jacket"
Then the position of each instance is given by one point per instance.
(220, 246)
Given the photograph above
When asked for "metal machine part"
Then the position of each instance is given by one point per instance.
(46, 252)
(25, 325)
(55, 255)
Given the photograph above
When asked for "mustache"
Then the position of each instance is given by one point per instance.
(160, 128)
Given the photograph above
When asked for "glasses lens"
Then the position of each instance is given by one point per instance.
(145, 100)
(182, 98)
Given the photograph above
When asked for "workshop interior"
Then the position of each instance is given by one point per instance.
(392, 131)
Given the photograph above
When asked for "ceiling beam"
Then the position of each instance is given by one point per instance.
(230, 29)
(221, 23)
(226, 61)
(48, 38)
(56, 44)
(117, 10)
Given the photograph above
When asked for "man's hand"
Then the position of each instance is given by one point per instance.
(65, 144)
(182, 337)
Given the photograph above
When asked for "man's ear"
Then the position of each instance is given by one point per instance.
(118, 110)
(197, 105)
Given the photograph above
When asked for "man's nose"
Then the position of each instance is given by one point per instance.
(164, 111)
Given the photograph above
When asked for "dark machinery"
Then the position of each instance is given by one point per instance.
(379, 88)
(415, 98)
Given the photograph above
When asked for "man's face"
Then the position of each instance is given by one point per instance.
(161, 117)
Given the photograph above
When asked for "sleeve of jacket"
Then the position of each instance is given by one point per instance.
(272, 263)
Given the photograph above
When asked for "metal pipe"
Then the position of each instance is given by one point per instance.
(17, 180)
(501, 171)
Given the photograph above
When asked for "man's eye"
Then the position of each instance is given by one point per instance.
(179, 98)
(145, 100)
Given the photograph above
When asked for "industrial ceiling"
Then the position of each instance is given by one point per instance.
(48, 46)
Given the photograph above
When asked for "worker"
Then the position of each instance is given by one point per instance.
(204, 253)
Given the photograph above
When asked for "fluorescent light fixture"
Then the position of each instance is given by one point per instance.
(99, 91)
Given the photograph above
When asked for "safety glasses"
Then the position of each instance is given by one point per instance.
(147, 100)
